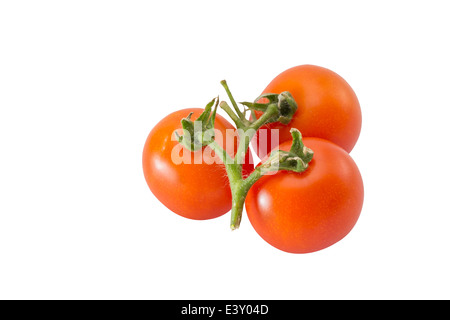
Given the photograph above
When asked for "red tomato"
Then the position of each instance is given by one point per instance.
(197, 190)
(327, 107)
(308, 211)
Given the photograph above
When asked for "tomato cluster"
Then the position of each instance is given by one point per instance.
(294, 211)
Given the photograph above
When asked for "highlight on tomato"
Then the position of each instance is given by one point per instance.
(309, 211)
(328, 108)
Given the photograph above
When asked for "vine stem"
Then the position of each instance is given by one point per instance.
(280, 108)
(240, 186)
(239, 195)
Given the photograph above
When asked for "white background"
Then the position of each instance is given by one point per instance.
(83, 82)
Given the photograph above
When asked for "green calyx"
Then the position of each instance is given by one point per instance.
(200, 132)
(296, 159)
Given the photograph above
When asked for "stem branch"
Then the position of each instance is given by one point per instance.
(281, 108)
(232, 115)
(221, 153)
(233, 102)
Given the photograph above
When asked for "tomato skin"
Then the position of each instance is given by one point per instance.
(327, 106)
(309, 211)
(198, 191)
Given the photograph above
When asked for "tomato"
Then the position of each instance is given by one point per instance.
(327, 108)
(197, 188)
(308, 211)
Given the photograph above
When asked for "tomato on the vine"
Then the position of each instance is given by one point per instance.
(308, 211)
(327, 108)
(195, 185)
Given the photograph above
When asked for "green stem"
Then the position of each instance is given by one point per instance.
(232, 115)
(280, 108)
(239, 186)
(246, 134)
(221, 153)
(296, 160)
(233, 102)
(271, 111)
(239, 193)
(239, 189)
